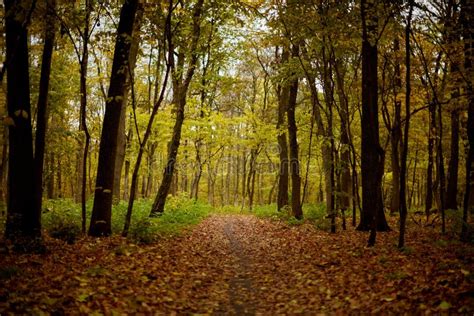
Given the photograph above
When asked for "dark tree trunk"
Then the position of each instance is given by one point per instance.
(121, 140)
(180, 89)
(467, 7)
(160, 200)
(404, 153)
(395, 137)
(345, 155)
(83, 143)
(23, 226)
(42, 108)
(452, 176)
(101, 213)
(372, 155)
(429, 172)
(283, 173)
(293, 146)
(440, 168)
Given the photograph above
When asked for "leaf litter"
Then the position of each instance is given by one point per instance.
(240, 264)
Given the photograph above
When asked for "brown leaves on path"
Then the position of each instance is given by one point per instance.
(243, 265)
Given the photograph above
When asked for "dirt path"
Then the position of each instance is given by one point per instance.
(241, 265)
(241, 291)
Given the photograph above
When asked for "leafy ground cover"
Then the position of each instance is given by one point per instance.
(244, 264)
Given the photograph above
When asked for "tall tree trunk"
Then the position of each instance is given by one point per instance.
(404, 153)
(42, 108)
(293, 145)
(345, 155)
(452, 176)
(467, 7)
(395, 136)
(429, 171)
(121, 140)
(102, 211)
(23, 226)
(372, 155)
(283, 173)
(180, 89)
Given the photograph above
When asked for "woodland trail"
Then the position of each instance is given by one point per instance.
(243, 265)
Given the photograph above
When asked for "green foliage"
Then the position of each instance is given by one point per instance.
(180, 213)
(62, 219)
(313, 213)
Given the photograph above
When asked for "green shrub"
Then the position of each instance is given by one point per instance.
(62, 220)
(180, 213)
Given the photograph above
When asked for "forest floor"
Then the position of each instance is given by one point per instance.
(244, 265)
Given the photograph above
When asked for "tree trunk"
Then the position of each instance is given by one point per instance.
(42, 107)
(283, 93)
(404, 154)
(372, 155)
(467, 7)
(293, 146)
(180, 89)
(101, 213)
(395, 137)
(429, 171)
(23, 226)
(121, 140)
(452, 176)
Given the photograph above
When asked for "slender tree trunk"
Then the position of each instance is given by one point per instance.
(121, 140)
(467, 7)
(293, 146)
(429, 171)
(372, 155)
(141, 149)
(452, 177)
(102, 211)
(395, 137)
(404, 154)
(283, 173)
(180, 89)
(42, 107)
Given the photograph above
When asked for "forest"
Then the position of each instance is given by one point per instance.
(239, 157)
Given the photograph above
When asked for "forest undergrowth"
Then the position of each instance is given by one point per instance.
(196, 259)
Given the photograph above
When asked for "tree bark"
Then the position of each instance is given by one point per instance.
(102, 211)
(121, 140)
(452, 176)
(467, 7)
(404, 153)
(42, 107)
(23, 226)
(180, 89)
(372, 155)
(283, 173)
(293, 146)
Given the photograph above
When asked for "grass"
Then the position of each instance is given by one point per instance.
(313, 213)
(62, 218)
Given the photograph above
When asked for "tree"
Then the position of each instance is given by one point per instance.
(404, 153)
(283, 94)
(180, 89)
(100, 224)
(42, 108)
(372, 154)
(293, 145)
(467, 7)
(23, 225)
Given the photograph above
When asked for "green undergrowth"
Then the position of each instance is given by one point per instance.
(62, 218)
(312, 213)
